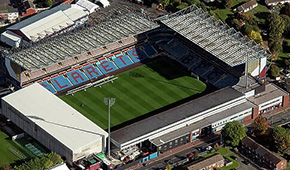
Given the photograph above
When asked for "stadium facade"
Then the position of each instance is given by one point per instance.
(53, 123)
(202, 116)
(45, 24)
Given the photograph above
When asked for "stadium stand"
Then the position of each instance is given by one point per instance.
(213, 36)
(88, 72)
(198, 65)
(80, 45)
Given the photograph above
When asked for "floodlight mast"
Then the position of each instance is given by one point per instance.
(110, 102)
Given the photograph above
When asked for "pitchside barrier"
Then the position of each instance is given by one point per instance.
(98, 83)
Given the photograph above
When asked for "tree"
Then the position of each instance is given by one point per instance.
(227, 3)
(286, 20)
(260, 126)
(168, 167)
(275, 30)
(196, 154)
(287, 63)
(256, 36)
(6, 166)
(281, 139)
(233, 133)
(287, 10)
(274, 70)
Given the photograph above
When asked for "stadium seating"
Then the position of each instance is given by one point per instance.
(198, 65)
(77, 77)
(48, 87)
(137, 55)
(60, 83)
(97, 68)
(188, 59)
(176, 48)
(106, 66)
(122, 60)
(226, 81)
(92, 72)
(150, 51)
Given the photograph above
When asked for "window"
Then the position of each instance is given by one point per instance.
(176, 140)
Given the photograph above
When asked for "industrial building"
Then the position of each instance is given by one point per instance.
(45, 24)
(53, 123)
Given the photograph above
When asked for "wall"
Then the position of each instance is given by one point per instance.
(35, 131)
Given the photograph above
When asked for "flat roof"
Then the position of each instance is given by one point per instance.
(173, 115)
(271, 92)
(202, 123)
(55, 116)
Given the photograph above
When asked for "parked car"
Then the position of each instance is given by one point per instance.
(246, 162)
(234, 158)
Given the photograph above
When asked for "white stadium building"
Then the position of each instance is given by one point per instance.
(45, 24)
(53, 123)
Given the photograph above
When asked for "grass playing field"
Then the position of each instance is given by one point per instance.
(5, 155)
(137, 92)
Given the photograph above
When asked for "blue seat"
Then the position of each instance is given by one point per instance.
(106, 66)
(188, 59)
(60, 83)
(77, 77)
(176, 48)
(213, 75)
(149, 49)
(48, 86)
(122, 60)
(227, 81)
(92, 72)
(202, 67)
(137, 55)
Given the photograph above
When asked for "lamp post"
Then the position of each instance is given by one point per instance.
(110, 102)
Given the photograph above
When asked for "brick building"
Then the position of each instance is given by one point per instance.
(261, 155)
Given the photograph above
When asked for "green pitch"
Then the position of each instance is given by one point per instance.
(137, 92)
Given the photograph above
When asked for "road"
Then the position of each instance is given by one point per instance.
(280, 119)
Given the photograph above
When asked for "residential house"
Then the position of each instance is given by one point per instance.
(261, 155)
(276, 2)
(210, 163)
(247, 6)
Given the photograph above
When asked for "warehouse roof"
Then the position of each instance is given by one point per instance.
(50, 21)
(174, 115)
(54, 116)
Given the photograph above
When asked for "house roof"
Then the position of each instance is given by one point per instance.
(261, 150)
(248, 4)
(206, 162)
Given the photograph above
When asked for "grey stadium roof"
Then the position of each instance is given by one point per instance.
(214, 36)
(81, 41)
(168, 117)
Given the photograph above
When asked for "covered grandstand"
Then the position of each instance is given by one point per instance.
(53, 123)
(79, 46)
(217, 38)
(45, 24)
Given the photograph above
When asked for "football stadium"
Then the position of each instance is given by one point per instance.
(175, 78)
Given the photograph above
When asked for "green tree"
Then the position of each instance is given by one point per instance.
(275, 30)
(247, 29)
(274, 70)
(233, 133)
(281, 139)
(286, 20)
(196, 154)
(256, 36)
(260, 126)
(227, 3)
(55, 158)
(287, 63)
